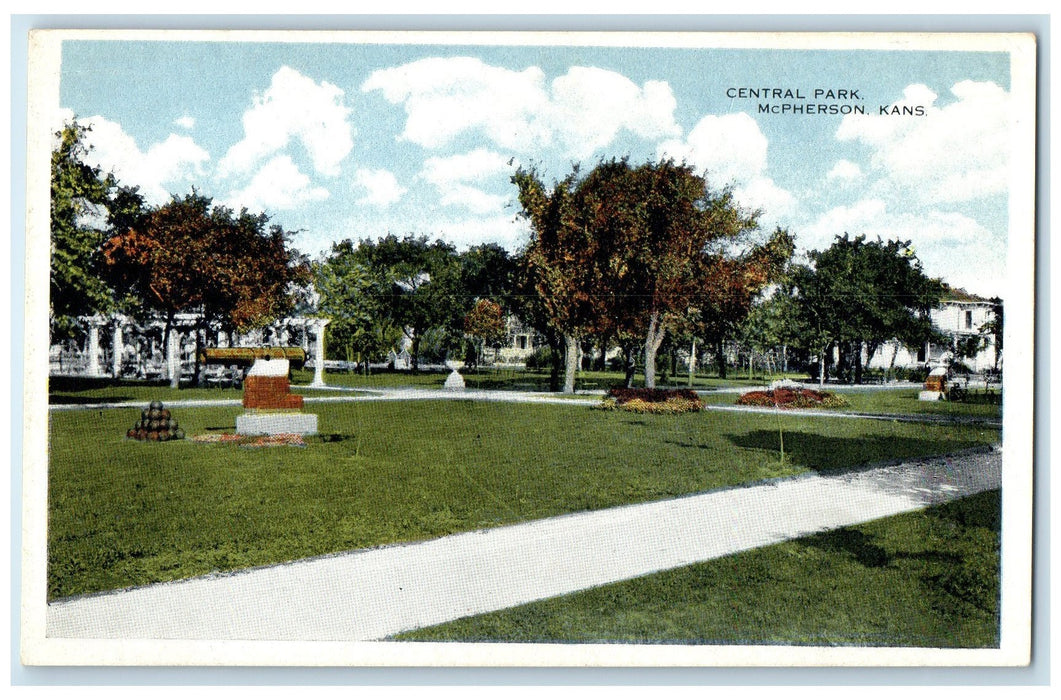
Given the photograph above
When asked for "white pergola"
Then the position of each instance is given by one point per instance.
(122, 328)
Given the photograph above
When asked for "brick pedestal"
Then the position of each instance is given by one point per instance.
(269, 392)
(271, 407)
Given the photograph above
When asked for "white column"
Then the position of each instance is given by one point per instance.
(173, 358)
(118, 347)
(93, 347)
(318, 351)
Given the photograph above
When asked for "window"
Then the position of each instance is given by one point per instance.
(968, 319)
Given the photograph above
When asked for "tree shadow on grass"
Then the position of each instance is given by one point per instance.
(334, 437)
(66, 400)
(64, 390)
(833, 455)
(864, 550)
(983, 510)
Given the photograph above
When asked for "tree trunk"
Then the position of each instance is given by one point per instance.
(821, 365)
(555, 360)
(692, 363)
(414, 350)
(858, 362)
(653, 339)
(571, 364)
(720, 359)
(631, 365)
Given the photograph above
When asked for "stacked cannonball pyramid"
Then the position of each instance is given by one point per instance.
(156, 425)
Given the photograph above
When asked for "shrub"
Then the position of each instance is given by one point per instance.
(541, 358)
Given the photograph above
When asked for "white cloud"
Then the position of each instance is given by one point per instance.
(380, 187)
(950, 245)
(855, 219)
(845, 171)
(730, 149)
(504, 229)
(452, 176)
(578, 113)
(473, 198)
(953, 153)
(763, 193)
(590, 106)
(166, 163)
(475, 166)
(185, 122)
(293, 107)
(279, 184)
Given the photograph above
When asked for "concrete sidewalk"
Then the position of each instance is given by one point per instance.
(373, 594)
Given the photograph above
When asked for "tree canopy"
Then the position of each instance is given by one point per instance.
(79, 197)
(636, 251)
(189, 256)
(860, 291)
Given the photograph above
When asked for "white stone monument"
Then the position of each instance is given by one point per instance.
(271, 409)
(935, 385)
(454, 382)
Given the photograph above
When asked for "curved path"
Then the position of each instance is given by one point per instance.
(376, 593)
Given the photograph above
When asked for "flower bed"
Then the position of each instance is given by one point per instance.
(653, 400)
(786, 397)
(251, 441)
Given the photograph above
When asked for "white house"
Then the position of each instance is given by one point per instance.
(960, 315)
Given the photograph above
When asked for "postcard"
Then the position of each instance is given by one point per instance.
(529, 349)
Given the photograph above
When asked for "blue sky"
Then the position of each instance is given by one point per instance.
(340, 140)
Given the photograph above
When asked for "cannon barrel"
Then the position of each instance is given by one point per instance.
(245, 357)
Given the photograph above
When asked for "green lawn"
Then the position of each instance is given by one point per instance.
(928, 579)
(509, 379)
(905, 401)
(125, 513)
(82, 390)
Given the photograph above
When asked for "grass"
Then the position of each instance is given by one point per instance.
(509, 379)
(888, 402)
(924, 579)
(905, 401)
(125, 513)
(84, 390)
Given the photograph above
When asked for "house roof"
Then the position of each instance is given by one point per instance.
(960, 295)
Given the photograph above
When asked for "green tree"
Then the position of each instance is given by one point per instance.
(420, 286)
(633, 252)
(862, 293)
(79, 196)
(350, 295)
(487, 272)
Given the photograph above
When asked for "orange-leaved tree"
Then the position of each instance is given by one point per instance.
(188, 256)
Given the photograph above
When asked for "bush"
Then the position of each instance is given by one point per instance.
(912, 374)
(541, 358)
